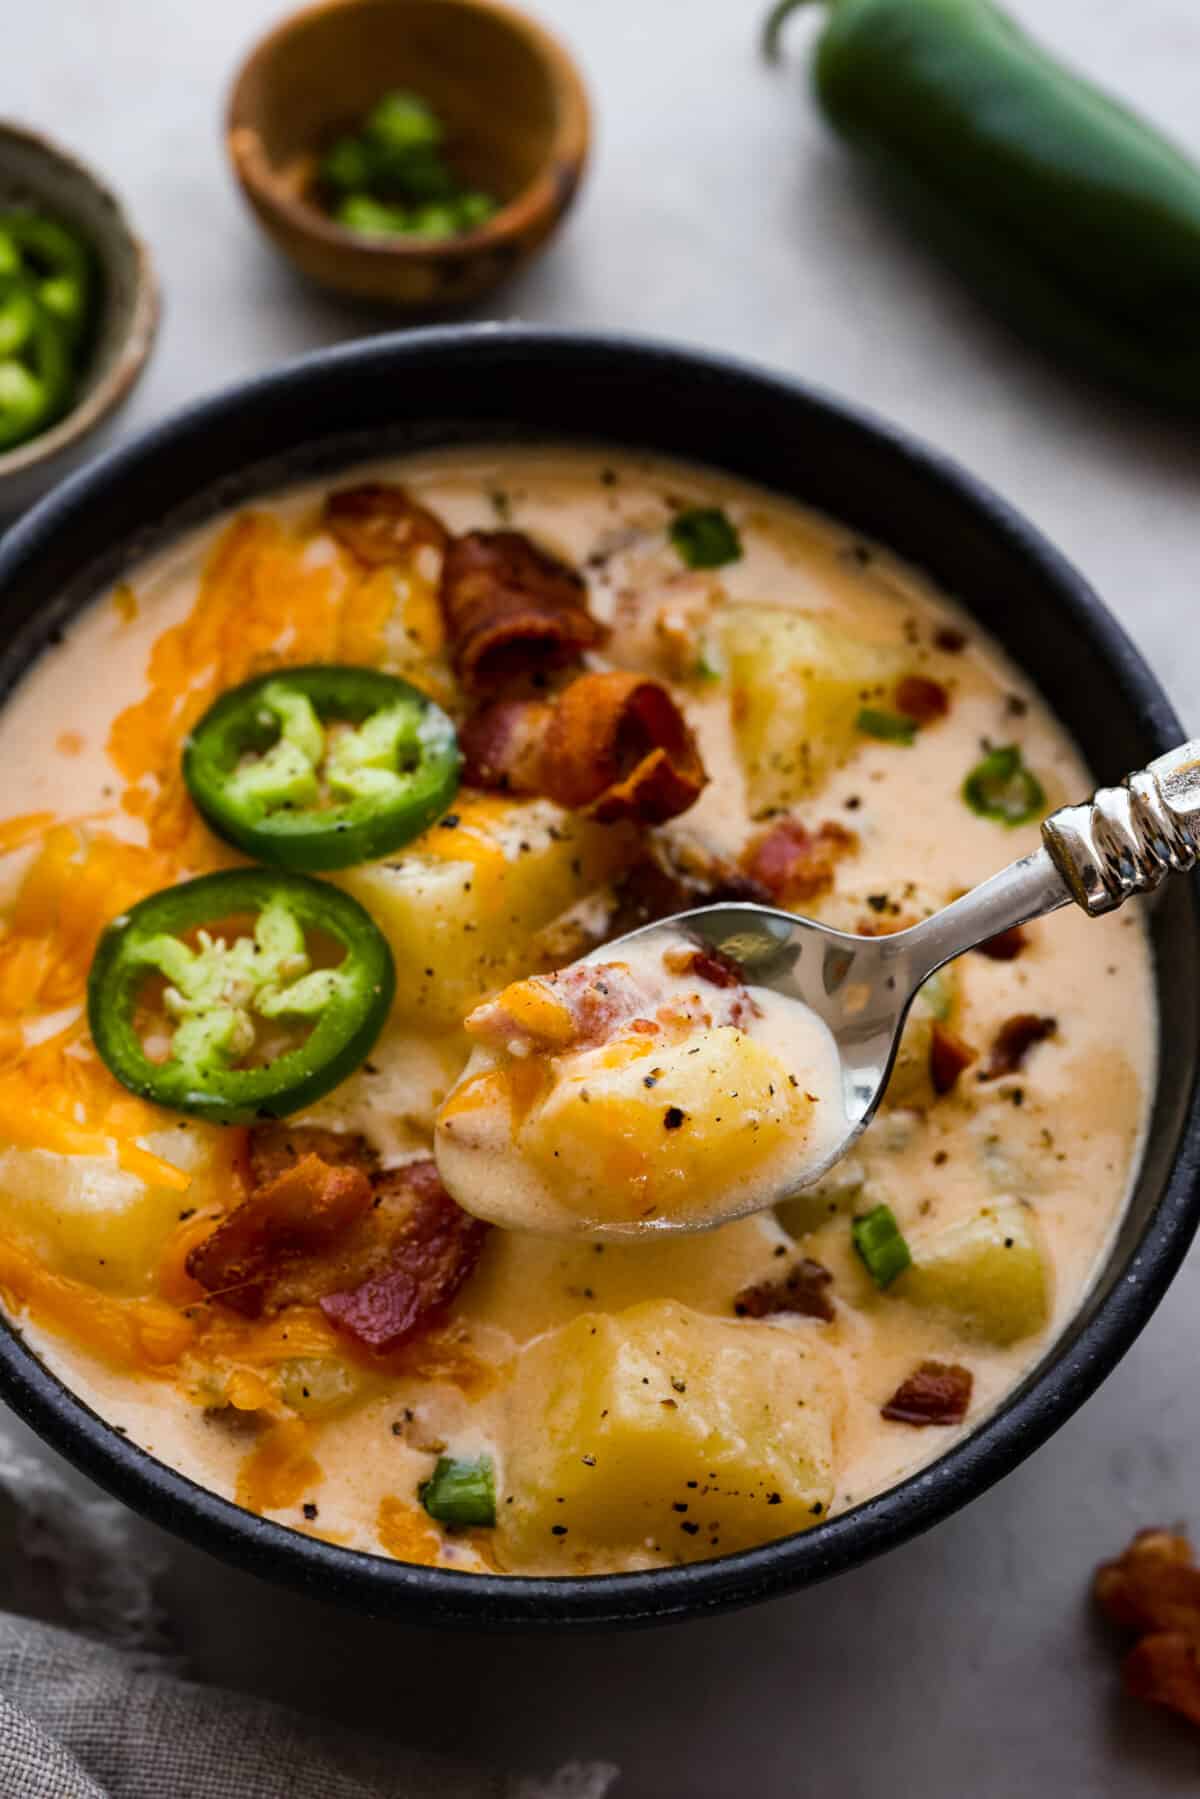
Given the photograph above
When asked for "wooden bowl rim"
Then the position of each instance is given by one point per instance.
(130, 357)
(541, 197)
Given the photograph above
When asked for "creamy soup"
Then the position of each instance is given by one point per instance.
(667, 688)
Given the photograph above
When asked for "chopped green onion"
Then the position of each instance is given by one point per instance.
(371, 218)
(1001, 787)
(473, 209)
(878, 1241)
(705, 538)
(460, 1492)
(346, 166)
(889, 727)
(433, 221)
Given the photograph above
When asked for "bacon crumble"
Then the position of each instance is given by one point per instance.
(706, 963)
(512, 610)
(1013, 1042)
(804, 1289)
(934, 1393)
(379, 523)
(1006, 946)
(949, 1055)
(613, 745)
(1153, 1590)
(921, 699)
(794, 863)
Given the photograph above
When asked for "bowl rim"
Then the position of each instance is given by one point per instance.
(138, 339)
(1003, 1439)
(543, 197)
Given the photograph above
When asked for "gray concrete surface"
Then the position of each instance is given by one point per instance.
(718, 211)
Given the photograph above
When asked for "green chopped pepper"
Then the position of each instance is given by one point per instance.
(888, 727)
(460, 1492)
(705, 538)
(322, 767)
(1001, 787)
(879, 1242)
(1062, 208)
(242, 995)
(35, 385)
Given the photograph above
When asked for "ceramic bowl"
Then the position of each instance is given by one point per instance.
(513, 104)
(35, 172)
(317, 417)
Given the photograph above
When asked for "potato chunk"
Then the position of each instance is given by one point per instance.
(989, 1272)
(660, 1431)
(797, 687)
(85, 1217)
(461, 905)
(639, 1128)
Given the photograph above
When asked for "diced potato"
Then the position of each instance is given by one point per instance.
(720, 1107)
(797, 686)
(989, 1272)
(661, 1431)
(85, 1217)
(461, 905)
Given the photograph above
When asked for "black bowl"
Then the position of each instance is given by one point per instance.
(464, 385)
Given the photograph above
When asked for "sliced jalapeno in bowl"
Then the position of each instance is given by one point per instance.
(242, 995)
(322, 767)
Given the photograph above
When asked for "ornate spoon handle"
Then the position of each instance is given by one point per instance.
(1125, 839)
(1122, 841)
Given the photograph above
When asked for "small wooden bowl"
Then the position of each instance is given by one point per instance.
(516, 114)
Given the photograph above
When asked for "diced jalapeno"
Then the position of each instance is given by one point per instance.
(322, 767)
(878, 1240)
(705, 538)
(242, 995)
(888, 727)
(1001, 787)
(460, 1492)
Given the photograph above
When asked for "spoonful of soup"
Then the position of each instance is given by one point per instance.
(711, 1065)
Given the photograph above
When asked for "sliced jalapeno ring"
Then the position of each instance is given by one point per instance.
(322, 767)
(192, 989)
(58, 263)
(1002, 788)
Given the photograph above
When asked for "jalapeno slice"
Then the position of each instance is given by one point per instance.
(241, 995)
(322, 767)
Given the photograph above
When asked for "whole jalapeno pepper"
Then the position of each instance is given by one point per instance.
(322, 767)
(242, 995)
(1069, 213)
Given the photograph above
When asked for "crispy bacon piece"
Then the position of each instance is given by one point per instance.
(1006, 946)
(705, 963)
(669, 880)
(948, 1056)
(431, 1246)
(921, 699)
(297, 1215)
(804, 1289)
(795, 864)
(934, 1393)
(1153, 1586)
(379, 523)
(1013, 1042)
(512, 609)
(950, 638)
(1154, 1589)
(272, 1149)
(567, 1010)
(614, 745)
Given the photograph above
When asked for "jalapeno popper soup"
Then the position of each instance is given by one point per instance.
(321, 825)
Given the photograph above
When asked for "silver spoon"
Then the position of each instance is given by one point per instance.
(1120, 843)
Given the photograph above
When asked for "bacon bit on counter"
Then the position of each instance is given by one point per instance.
(948, 1056)
(934, 1393)
(512, 610)
(919, 698)
(1013, 1042)
(706, 964)
(434, 1245)
(294, 1217)
(1006, 946)
(803, 1289)
(1153, 1590)
(378, 523)
(614, 745)
(794, 863)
